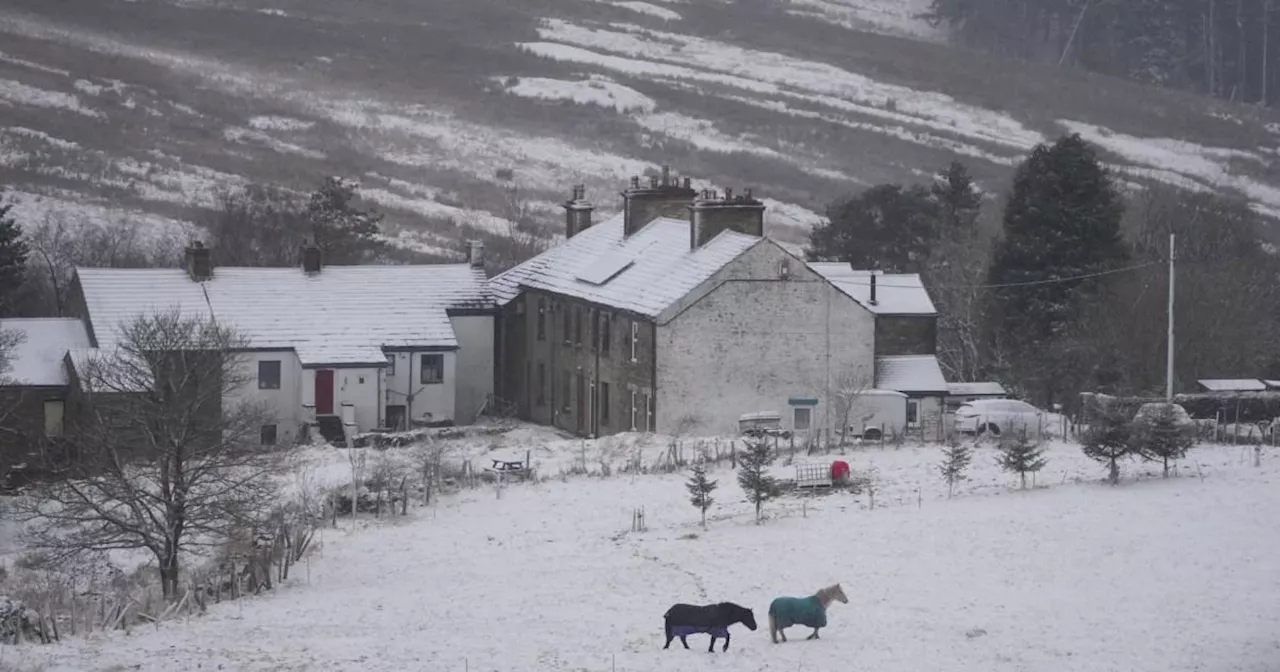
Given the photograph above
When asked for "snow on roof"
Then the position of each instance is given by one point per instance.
(975, 389)
(337, 316)
(910, 373)
(1232, 385)
(38, 357)
(896, 293)
(644, 273)
(1272, 383)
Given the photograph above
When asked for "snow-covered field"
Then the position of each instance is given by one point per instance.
(1074, 575)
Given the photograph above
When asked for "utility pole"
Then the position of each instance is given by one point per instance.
(1168, 385)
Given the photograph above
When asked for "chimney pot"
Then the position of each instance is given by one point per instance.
(635, 181)
(873, 288)
(747, 194)
(728, 194)
(475, 253)
(666, 175)
(686, 183)
(653, 181)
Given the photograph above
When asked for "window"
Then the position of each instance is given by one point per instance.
(564, 391)
(53, 409)
(648, 412)
(541, 393)
(633, 410)
(542, 319)
(913, 412)
(269, 375)
(604, 403)
(567, 327)
(577, 326)
(606, 334)
(635, 336)
(803, 418)
(432, 369)
(268, 435)
(391, 365)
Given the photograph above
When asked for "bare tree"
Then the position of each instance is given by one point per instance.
(429, 456)
(847, 389)
(59, 245)
(166, 459)
(257, 226)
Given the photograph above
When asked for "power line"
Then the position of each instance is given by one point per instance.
(1049, 281)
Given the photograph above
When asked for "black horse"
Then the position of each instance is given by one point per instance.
(683, 620)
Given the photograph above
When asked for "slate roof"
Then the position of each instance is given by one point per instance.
(896, 293)
(910, 373)
(38, 358)
(1232, 385)
(341, 315)
(975, 389)
(645, 274)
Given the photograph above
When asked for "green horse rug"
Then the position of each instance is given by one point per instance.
(811, 611)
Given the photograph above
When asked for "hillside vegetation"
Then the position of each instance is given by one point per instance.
(465, 119)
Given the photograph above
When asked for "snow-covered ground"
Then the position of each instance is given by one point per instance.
(1074, 575)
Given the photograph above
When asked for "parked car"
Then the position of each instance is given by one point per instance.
(1147, 413)
(996, 417)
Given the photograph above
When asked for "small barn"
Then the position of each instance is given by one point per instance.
(961, 393)
(1231, 385)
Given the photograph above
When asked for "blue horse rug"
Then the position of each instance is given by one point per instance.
(686, 630)
(789, 611)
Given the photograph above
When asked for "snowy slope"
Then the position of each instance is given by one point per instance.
(1154, 575)
(115, 108)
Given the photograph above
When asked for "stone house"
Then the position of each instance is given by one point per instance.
(677, 315)
(340, 348)
(906, 328)
(35, 392)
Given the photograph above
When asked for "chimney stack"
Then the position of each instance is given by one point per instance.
(577, 212)
(475, 253)
(712, 214)
(199, 262)
(663, 197)
(311, 258)
(873, 288)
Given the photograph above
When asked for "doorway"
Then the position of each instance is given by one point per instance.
(324, 391)
(395, 418)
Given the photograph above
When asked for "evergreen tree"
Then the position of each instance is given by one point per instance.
(753, 475)
(344, 233)
(1021, 456)
(958, 201)
(956, 457)
(1109, 440)
(887, 227)
(700, 489)
(1062, 221)
(1161, 437)
(13, 259)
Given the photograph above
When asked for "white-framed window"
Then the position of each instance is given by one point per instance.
(432, 370)
(53, 411)
(803, 418)
(633, 410)
(648, 412)
(269, 374)
(913, 412)
(635, 338)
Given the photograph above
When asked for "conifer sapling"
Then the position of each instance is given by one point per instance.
(956, 459)
(700, 489)
(753, 477)
(1160, 436)
(1110, 440)
(1021, 456)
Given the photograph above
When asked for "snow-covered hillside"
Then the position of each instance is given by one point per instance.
(125, 109)
(1154, 575)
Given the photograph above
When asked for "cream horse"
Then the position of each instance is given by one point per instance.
(785, 612)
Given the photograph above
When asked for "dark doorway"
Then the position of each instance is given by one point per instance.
(324, 391)
(395, 418)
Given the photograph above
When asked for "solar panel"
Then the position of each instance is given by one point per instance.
(604, 268)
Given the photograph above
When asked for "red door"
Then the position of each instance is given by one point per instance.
(324, 391)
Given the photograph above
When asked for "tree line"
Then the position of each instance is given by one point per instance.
(1224, 48)
(1059, 285)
